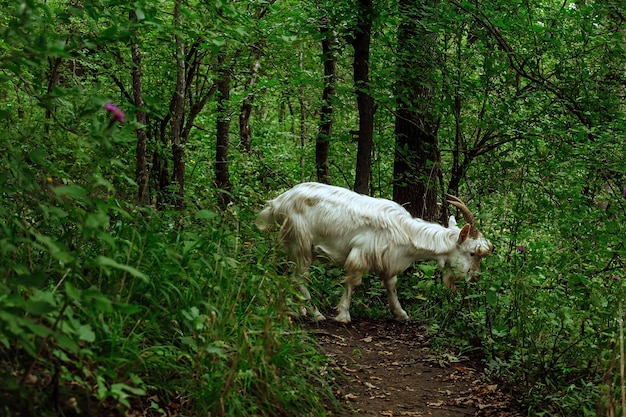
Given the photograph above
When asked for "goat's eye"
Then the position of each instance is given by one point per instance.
(472, 253)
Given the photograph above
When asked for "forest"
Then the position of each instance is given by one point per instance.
(141, 139)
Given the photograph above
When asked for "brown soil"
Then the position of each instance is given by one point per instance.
(390, 371)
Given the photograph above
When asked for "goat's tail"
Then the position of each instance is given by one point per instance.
(266, 218)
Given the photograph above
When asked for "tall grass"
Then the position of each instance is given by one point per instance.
(105, 305)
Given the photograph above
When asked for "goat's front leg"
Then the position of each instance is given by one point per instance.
(306, 295)
(394, 303)
(352, 281)
(302, 276)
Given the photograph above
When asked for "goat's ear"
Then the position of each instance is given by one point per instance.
(465, 231)
(451, 222)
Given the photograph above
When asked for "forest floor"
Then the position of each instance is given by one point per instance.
(386, 368)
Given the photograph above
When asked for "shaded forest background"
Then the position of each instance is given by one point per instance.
(140, 139)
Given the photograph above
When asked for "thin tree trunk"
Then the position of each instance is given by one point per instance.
(365, 102)
(178, 113)
(302, 105)
(141, 170)
(246, 107)
(322, 143)
(53, 79)
(160, 163)
(417, 158)
(222, 175)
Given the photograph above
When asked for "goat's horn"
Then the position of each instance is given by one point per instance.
(467, 215)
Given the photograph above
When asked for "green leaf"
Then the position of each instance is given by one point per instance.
(74, 192)
(500, 331)
(108, 262)
(86, 333)
(109, 32)
(96, 220)
(491, 296)
(67, 343)
(428, 270)
(6, 246)
(140, 14)
(206, 214)
(71, 291)
(35, 279)
(38, 329)
(215, 350)
(39, 307)
(99, 301)
(56, 250)
(38, 157)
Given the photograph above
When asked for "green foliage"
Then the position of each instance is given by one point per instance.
(547, 312)
(108, 306)
(105, 304)
(115, 306)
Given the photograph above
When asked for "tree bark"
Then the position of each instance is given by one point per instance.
(365, 102)
(302, 119)
(53, 79)
(246, 106)
(417, 169)
(178, 113)
(141, 169)
(222, 175)
(322, 142)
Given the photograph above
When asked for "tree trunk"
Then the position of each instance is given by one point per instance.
(53, 79)
(222, 176)
(365, 102)
(141, 169)
(417, 169)
(301, 103)
(322, 142)
(246, 107)
(178, 113)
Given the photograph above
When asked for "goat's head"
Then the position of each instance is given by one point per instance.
(472, 247)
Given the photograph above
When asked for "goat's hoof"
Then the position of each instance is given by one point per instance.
(402, 316)
(319, 317)
(342, 318)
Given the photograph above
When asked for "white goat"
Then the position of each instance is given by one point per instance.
(365, 234)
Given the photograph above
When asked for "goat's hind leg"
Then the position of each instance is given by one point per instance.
(352, 281)
(394, 303)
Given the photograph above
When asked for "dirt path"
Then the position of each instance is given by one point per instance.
(390, 371)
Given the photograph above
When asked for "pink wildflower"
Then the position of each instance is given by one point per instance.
(520, 249)
(116, 112)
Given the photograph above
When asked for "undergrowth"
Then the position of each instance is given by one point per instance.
(104, 305)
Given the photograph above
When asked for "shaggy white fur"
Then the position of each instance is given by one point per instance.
(365, 234)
